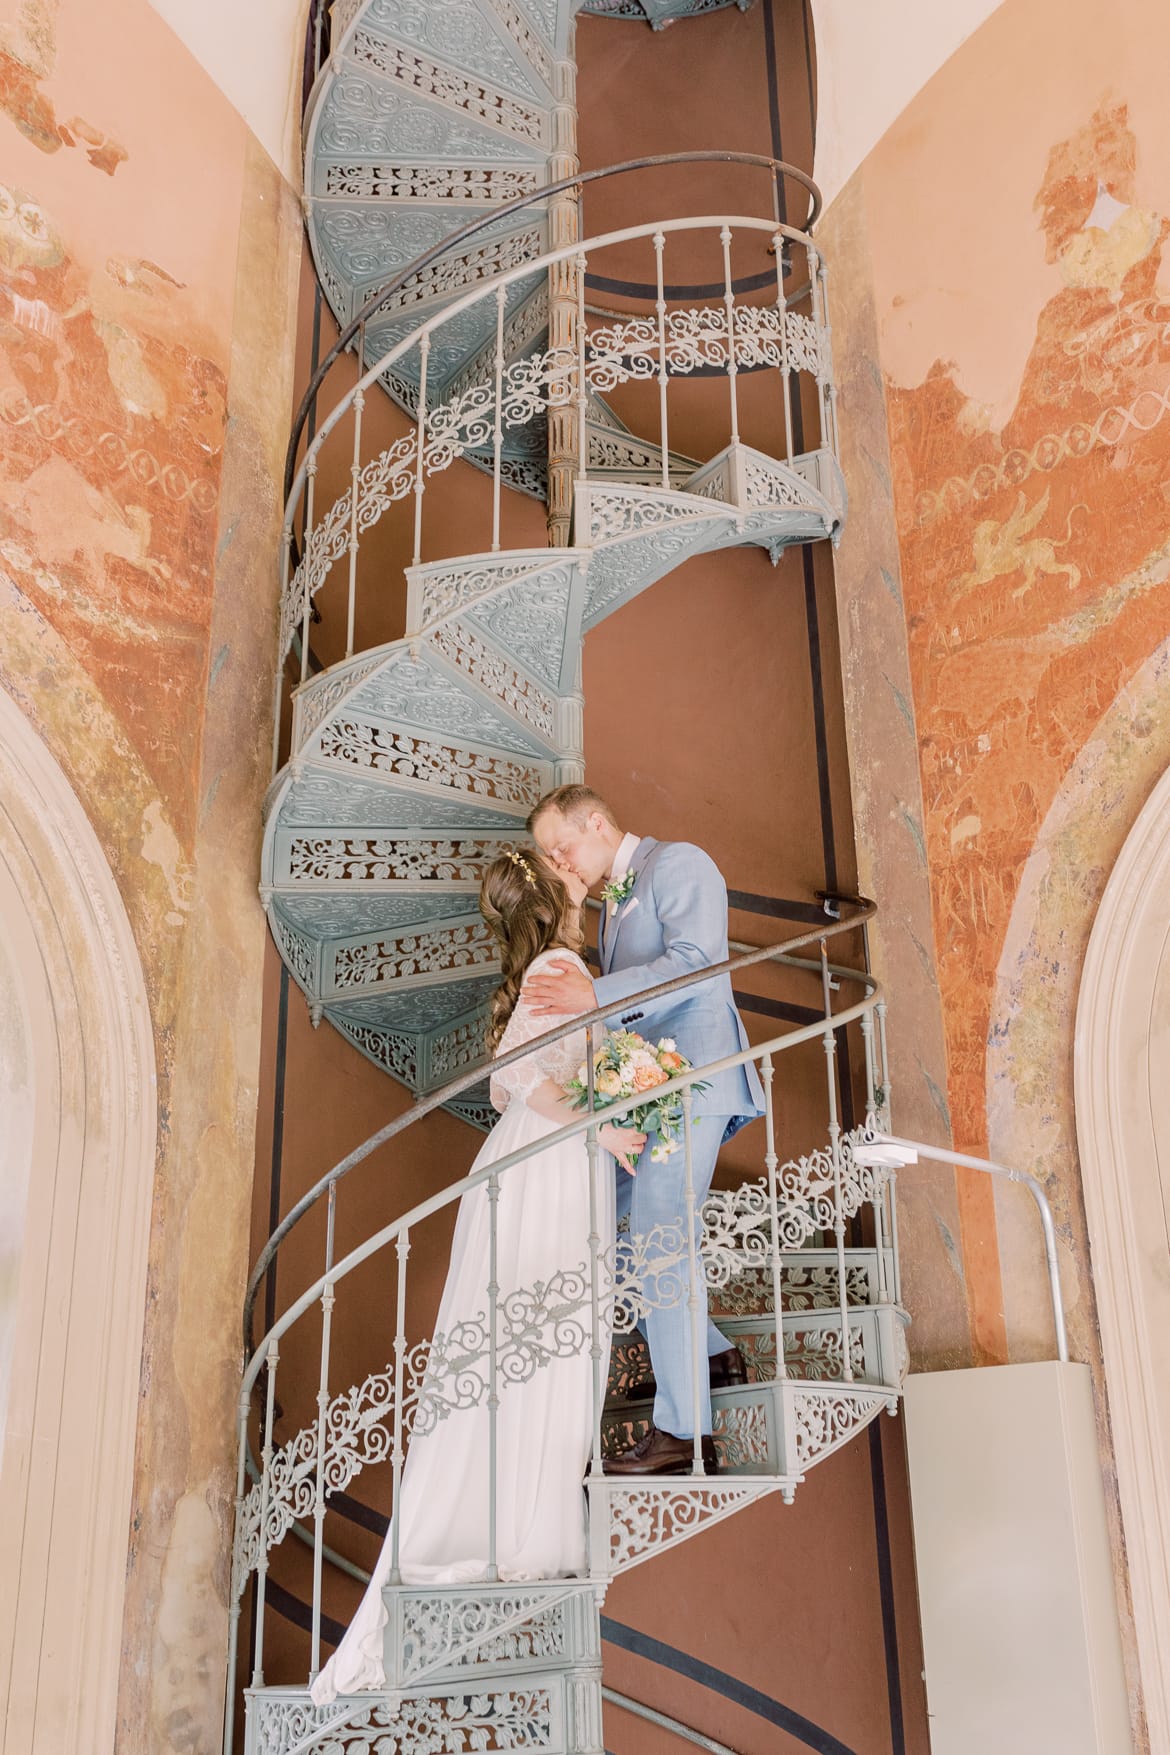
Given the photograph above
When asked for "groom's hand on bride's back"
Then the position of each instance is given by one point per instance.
(559, 990)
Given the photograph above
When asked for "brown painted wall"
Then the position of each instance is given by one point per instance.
(149, 253)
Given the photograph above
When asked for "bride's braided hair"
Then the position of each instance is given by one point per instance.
(529, 910)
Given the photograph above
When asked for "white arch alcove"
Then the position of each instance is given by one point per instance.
(1122, 1083)
(77, 1139)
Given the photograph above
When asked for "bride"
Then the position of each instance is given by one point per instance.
(545, 1416)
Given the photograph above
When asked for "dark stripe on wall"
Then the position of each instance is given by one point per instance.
(715, 289)
(356, 1512)
(808, 68)
(807, 913)
(881, 1526)
(775, 1008)
(669, 1657)
(277, 1143)
(300, 1614)
(822, 736)
(774, 108)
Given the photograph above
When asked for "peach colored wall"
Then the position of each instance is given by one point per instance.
(148, 251)
(1003, 335)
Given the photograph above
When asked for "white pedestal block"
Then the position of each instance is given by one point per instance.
(1019, 1620)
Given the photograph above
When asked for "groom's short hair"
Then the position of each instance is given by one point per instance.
(574, 803)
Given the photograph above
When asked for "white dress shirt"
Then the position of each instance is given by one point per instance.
(627, 847)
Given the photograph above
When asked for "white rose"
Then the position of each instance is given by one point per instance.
(668, 1045)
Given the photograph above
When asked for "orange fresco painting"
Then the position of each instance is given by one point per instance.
(113, 392)
(1031, 591)
(113, 431)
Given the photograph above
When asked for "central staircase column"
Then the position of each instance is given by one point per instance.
(563, 294)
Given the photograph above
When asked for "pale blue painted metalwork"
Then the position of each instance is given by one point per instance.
(413, 762)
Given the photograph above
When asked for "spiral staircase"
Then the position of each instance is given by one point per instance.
(410, 763)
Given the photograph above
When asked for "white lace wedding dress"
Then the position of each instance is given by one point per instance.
(545, 1415)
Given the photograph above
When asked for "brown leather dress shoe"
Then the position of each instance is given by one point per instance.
(725, 1370)
(661, 1453)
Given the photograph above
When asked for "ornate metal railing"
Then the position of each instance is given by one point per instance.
(352, 336)
(732, 336)
(783, 954)
(845, 1323)
(800, 1267)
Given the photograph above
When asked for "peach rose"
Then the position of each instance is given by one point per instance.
(672, 1062)
(646, 1077)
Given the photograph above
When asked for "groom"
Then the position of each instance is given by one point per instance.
(665, 915)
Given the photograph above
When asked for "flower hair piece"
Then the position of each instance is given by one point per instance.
(519, 859)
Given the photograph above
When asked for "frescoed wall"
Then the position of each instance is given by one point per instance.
(148, 258)
(1002, 325)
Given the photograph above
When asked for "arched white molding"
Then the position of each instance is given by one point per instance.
(254, 54)
(83, 1059)
(872, 61)
(1122, 1084)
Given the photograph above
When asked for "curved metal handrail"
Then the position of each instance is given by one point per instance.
(378, 1240)
(760, 161)
(989, 1167)
(490, 288)
(334, 534)
(780, 953)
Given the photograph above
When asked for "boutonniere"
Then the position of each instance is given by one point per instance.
(614, 894)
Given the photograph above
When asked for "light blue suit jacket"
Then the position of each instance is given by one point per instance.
(673, 922)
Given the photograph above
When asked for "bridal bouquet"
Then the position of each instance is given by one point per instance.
(626, 1065)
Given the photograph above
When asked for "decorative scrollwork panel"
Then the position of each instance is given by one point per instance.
(394, 754)
(491, 1721)
(445, 949)
(359, 858)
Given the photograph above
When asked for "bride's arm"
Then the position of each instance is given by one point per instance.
(550, 1102)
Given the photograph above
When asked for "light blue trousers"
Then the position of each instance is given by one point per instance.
(656, 1197)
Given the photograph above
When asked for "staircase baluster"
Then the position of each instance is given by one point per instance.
(883, 1065)
(592, 1152)
(355, 470)
(592, 1149)
(307, 612)
(424, 349)
(892, 1197)
(825, 355)
(318, 16)
(729, 305)
(871, 1124)
(565, 294)
(327, 1301)
(278, 693)
(815, 304)
(663, 374)
(867, 1040)
(698, 1334)
(830, 1045)
(885, 1122)
(237, 1594)
(493, 1571)
(770, 1162)
(498, 431)
(265, 1482)
(785, 356)
(402, 1249)
(582, 381)
(879, 1243)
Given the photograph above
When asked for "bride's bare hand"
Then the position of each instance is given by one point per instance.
(624, 1142)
